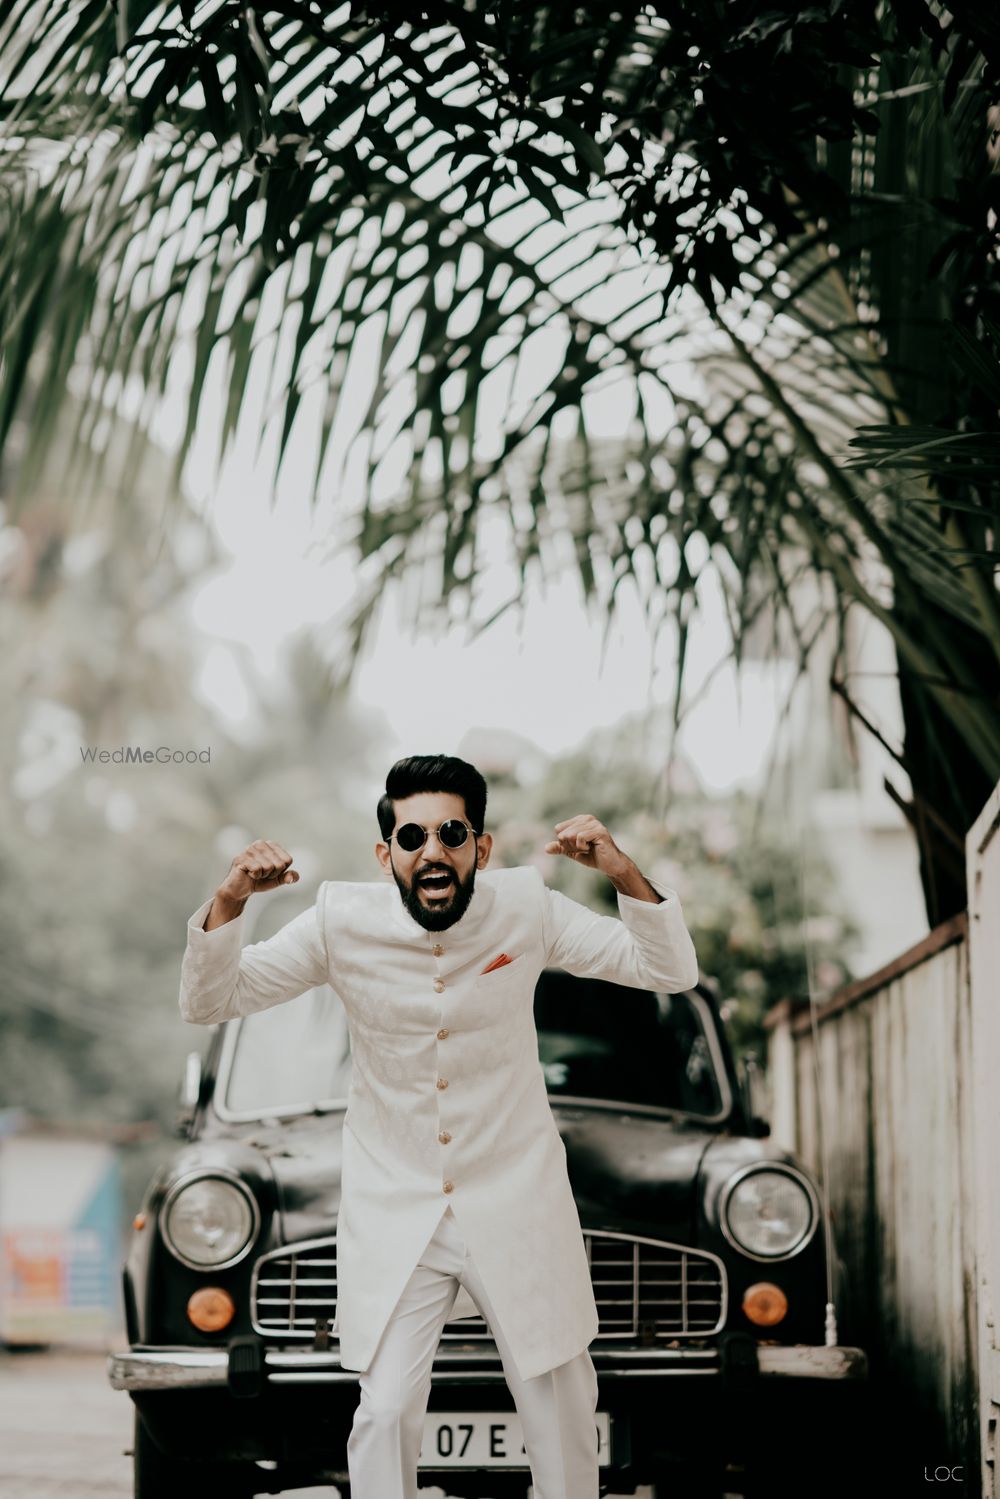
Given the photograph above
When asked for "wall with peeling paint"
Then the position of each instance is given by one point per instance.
(893, 1091)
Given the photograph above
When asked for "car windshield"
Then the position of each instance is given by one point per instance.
(606, 1042)
(596, 1041)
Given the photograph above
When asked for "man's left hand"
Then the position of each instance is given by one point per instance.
(588, 841)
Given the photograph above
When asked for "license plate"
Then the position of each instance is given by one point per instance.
(488, 1439)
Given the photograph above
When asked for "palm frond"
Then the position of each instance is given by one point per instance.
(303, 196)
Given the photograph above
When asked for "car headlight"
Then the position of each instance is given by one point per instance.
(209, 1220)
(769, 1213)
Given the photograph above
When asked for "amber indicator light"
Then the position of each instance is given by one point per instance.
(765, 1304)
(210, 1309)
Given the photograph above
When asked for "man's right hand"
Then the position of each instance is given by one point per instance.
(262, 865)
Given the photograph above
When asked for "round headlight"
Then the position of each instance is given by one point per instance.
(769, 1213)
(209, 1221)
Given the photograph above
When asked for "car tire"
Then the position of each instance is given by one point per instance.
(160, 1476)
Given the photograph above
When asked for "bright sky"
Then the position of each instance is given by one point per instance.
(537, 670)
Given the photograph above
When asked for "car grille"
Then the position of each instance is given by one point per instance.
(644, 1288)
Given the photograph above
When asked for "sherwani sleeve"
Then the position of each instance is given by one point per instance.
(649, 947)
(220, 978)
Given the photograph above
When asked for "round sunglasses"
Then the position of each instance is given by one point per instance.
(451, 834)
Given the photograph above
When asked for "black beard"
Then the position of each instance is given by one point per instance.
(437, 921)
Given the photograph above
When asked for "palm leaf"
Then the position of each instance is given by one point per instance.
(290, 187)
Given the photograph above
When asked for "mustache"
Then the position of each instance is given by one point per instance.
(456, 900)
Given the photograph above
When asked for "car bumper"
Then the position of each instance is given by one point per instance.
(292, 1410)
(146, 1369)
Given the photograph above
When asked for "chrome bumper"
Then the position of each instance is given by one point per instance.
(205, 1368)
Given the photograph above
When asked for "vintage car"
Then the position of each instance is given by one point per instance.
(706, 1241)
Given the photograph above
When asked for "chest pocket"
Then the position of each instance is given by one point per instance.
(508, 978)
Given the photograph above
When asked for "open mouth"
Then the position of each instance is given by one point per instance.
(436, 884)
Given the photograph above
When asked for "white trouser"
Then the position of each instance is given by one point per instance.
(556, 1408)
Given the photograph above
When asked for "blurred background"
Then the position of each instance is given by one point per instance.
(642, 452)
(768, 816)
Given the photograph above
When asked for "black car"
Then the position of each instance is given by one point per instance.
(706, 1240)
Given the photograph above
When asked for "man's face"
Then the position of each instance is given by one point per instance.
(435, 883)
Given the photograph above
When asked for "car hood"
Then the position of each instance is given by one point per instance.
(634, 1173)
(631, 1173)
(304, 1156)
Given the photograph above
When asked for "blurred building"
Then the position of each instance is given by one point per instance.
(60, 1233)
(832, 775)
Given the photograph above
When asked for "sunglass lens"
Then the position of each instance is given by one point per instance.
(453, 833)
(410, 837)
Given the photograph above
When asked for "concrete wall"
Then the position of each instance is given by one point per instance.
(982, 849)
(887, 1118)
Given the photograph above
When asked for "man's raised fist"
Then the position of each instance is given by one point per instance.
(262, 865)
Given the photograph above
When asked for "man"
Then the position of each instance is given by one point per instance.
(455, 1197)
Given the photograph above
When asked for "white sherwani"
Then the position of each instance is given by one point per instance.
(447, 1101)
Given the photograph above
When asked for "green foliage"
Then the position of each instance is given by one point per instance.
(760, 905)
(807, 194)
(92, 920)
(964, 462)
(104, 863)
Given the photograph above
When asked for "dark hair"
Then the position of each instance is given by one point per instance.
(433, 773)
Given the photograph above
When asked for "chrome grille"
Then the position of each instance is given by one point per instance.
(294, 1288)
(643, 1288)
(650, 1286)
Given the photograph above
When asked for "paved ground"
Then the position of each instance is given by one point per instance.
(63, 1430)
(66, 1434)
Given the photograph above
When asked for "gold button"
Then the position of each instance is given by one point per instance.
(438, 985)
(442, 1082)
(448, 1186)
(442, 1033)
(437, 949)
(444, 1137)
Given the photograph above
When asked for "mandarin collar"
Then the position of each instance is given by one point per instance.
(467, 924)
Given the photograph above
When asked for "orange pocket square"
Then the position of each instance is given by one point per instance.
(498, 962)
